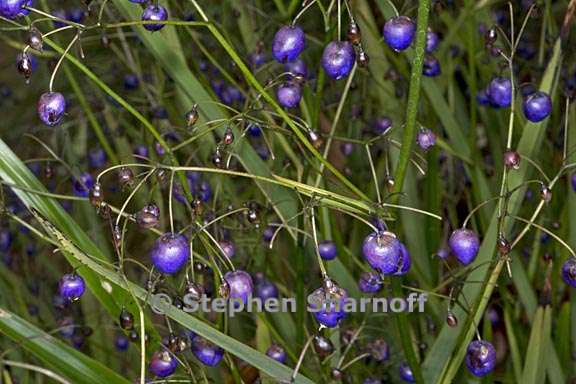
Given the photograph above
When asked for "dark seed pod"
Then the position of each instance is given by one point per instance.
(490, 36)
(192, 116)
(315, 139)
(197, 206)
(503, 245)
(104, 210)
(176, 344)
(149, 216)
(217, 159)
(194, 291)
(125, 177)
(390, 182)
(354, 34)
(545, 194)
(336, 374)
(228, 136)
(117, 236)
(363, 59)
(35, 39)
(126, 319)
(322, 346)
(96, 195)
(451, 319)
(24, 66)
(512, 159)
(133, 336)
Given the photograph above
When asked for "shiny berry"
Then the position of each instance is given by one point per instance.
(51, 108)
(338, 59)
(406, 373)
(370, 282)
(228, 248)
(125, 176)
(537, 106)
(131, 82)
(354, 34)
(432, 41)
(288, 43)
(81, 186)
(277, 353)
(170, 252)
(24, 65)
(500, 92)
(569, 272)
(163, 364)
(289, 94)
(426, 139)
(480, 357)
(126, 319)
(71, 287)
(464, 244)
(121, 343)
(322, 346)
(240, 284)
(149, 216)
(327, 305)
(512, 159)
(266, 289)
(399, 32)
(382, 252)
(451, 319)
(209, 354)
(11, 9)
(382, 125)
(327, 250)
(154, 12)
(431, 66)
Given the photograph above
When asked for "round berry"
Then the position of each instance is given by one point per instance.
(163, 364)
(51, 108)
(327, 250)
(382, 125)
(71, 287)
(405, 262)
(209, 354)
(131, 82)
(265, 289)
(82, 185)
(399, 32)
(170, 252)
(480, 357)
(11, 9)
(500, 92)
(537, 106)
(241, 285)
(328, 306)
(406, 373)
(369, 282)
(228, 248)
(426, 139)
(97, 158)
(288, 43)
(431, 66)
(154, 12)
(121, 343)
(569, 272)
(277, 353)
(432, 41)
(464, 244)
(289, 94)
(297, 68)
(382, 252)
(338, 59)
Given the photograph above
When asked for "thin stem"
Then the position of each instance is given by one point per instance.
(354, 360)
(52, 17)
(59, 63)
(301, 358)
(148, 174)
(374, 176)
(170, 212)
(317, 250)
(545, 230)
(46, 372)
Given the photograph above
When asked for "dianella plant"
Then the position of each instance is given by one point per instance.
(287, 191)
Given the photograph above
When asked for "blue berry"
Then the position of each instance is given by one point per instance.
(97, 157)
(154, 12)
(382, 125)
(406, 373)
(464, 244)
(228, 248)
(121, 343)
(288, 43)
(81, 186)
(432, 41)
(51, 108)
(297, 68)
(71, 287)
(328, 306)
(163, 364)
(537, 106)
(327, 250)
(500, 92)
(277, 353)
(426, 139)
(170, 252)
(399, 32)
(569, 272)
(241, 285)
(480, 358)
(131, 82)
(482, 97)
(431, 66)
(289, 94)
(369, 282)
(338, 59)
(266, 289)
(382, 252)
(75, 15)
(11, 9)
(209, 354)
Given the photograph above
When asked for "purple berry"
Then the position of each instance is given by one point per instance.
(121, 343)
(131, 82)
(277, 353)
(480, 357)
(328, 307)
(405, 262)
(338, 59)
(170, 252)
(289, 94)
(241, 285)
(297, 68)
(209, 354)
(154, 12)
(464, 244)
(327, 250)
(81, 186)
(569, 272)
(431, 66)
(426, 139)
(432, 41)
(347, 148)
(228, 248)
(97, 158)
(11, 9)
(500, 92)
(163, 364)
(369, 282)
(399, 32)
(382, 125)
(71, 287)
(382, 252)
(265, 289)
(51, 108)
(406, 373)
(537, 106)
(288, 43)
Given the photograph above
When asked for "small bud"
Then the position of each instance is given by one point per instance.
(35, 39)
(192, 116)
(545, 194)
(125, 177)
(126, 319)
(217, 159)
(322, 346)
(336, 374)
(451, 319)
(512, 159)
(491, 36)
(24, 66)
(354, 34)
(194, 291)
(228, 136)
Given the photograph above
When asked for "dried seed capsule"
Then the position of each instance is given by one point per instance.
(224, 289)
(192, 116)
(194, 291)
(451, 319)
(322, 346)
(503, 245)
(545, 194)
(228, 136)
(35, 39)
(149, 216)
(24, 66)
(354, 34)
(512, 159)
(126, 319)
(96, 195)
(362, 58)
(490, 36)
(125, 177)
